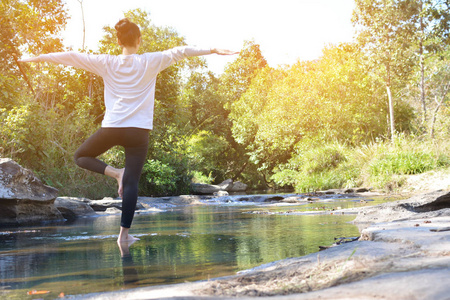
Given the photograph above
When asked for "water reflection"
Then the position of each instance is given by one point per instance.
(130, 273)
(188, 244)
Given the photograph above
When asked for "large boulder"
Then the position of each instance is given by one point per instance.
(72, 208)
(24, 199)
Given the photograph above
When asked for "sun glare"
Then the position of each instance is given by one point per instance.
(289, 31)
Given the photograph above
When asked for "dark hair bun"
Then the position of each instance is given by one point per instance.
(121, 23)
(128, 32)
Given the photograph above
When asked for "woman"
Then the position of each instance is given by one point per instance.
(129, 94)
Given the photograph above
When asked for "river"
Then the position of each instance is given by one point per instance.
(184, 243)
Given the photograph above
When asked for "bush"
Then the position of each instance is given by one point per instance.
(161, 178)
(168, 175)
(199, 177)
(325, 158)
(317, 168)
(207, 154)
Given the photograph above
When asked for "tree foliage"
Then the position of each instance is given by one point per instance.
(291, 125)
(239, 74)
(28, 27)
(332, 98)
(400, 35)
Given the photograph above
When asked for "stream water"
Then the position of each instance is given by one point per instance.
(180, 244)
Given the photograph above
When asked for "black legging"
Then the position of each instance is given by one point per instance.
(135, 142)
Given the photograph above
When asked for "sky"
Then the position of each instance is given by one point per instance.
(286, 30)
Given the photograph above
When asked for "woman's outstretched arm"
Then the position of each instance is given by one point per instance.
(88, 62)
(223, 51)
(31, 59)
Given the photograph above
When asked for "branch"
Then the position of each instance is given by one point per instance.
(24, 74)
(444, 93)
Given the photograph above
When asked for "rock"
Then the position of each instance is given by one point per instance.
(19, 183)
(107, 202)
(113, 210)
(329, 192)
(273, 198)
(205, 189)
(417, 232)
(227, 185)
(238, 187)
(221, 193)
(404, 209)
(292, 199)
(71, 208)
(441, 202)
(24, 199)
(186, 200)
(344, 191)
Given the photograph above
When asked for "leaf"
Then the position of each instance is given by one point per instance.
(35, 292)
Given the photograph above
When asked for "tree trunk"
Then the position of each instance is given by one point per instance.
(84, 25)
(422, 76)
(436, 110)
(391, 112)
(433, 119)
(422, 89)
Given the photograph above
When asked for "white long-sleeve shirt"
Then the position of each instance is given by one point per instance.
(129, 81)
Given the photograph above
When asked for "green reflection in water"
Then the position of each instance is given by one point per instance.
(188, 244)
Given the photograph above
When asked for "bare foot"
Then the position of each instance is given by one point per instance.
(125, 237)
(119, 182)
(118, 175)
(124, 247)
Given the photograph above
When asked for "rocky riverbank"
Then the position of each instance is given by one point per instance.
(25, 200)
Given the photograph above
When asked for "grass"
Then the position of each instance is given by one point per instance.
(392, 162)
(381, 165)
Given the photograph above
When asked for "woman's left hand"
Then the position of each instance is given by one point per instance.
(223, 51)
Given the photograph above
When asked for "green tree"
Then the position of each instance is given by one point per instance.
(386, 33)
(203, 104)
(234, 82)
(239, 74)
(331, 99)
(207, 153)
(29, 27)
(247, 115)
(206, 126)
(438, 87)
(432, 20)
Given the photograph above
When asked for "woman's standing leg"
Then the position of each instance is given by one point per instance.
(135, 156)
